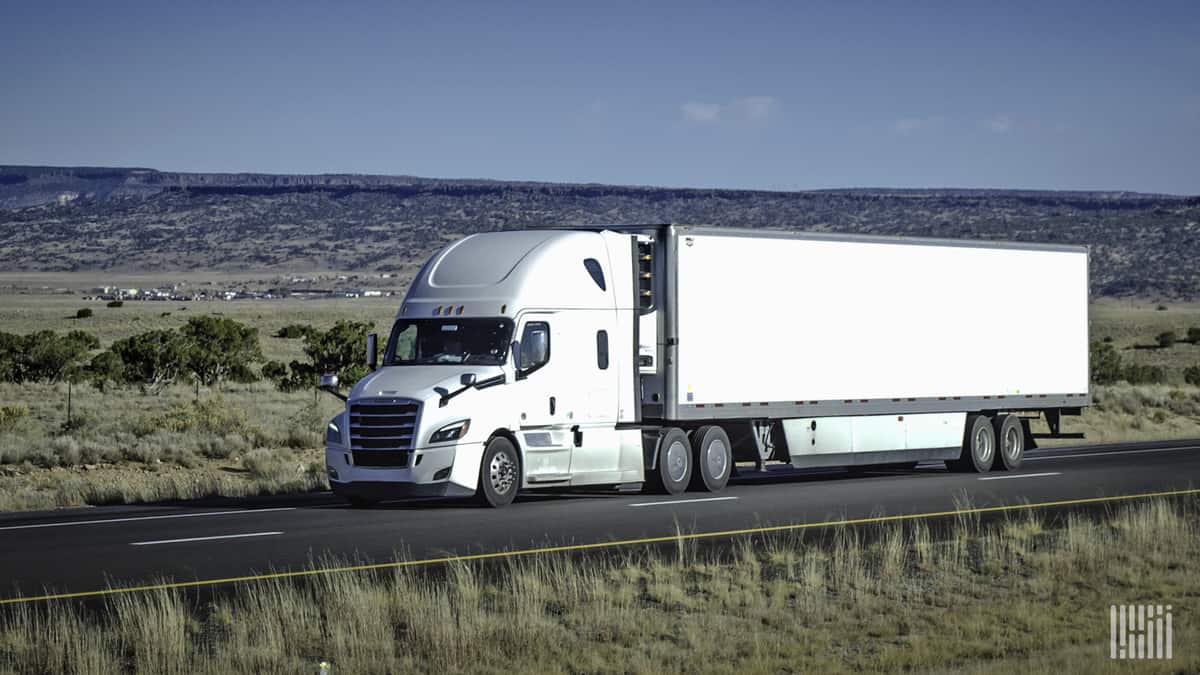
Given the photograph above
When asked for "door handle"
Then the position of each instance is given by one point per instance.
(552, 405)
(578, 435)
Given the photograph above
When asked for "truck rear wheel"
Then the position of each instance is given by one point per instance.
(499, 473)
(711, 457)
(1010, 442)
(674, 465)
(979, 446)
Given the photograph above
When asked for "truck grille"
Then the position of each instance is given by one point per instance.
(382, 430)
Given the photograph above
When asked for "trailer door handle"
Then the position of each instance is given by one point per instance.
(552, 405)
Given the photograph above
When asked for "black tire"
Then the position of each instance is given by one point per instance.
(979, 446)
(712, 459)
(1010, 442)
(673, 469)
(499, 473)
(360, 503)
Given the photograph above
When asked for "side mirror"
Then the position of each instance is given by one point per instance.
(515, 348)
(467, 379)
(372, 351)
(329, 385)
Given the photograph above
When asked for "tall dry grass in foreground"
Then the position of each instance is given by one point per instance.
(1013, 595)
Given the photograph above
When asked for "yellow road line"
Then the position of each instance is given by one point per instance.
(596, 545)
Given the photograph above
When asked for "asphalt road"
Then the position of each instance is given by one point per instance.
(81, 551)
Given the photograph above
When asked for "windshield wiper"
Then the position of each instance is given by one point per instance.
(468, 381)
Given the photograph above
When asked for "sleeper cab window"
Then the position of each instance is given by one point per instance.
(593, 268)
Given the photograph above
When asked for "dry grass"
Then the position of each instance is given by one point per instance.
(126, 447)
(1010, 595)
(1125, 412)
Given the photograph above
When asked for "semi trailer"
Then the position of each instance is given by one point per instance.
(663, 356)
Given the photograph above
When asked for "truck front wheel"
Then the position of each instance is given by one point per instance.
(674, 463)
(499, 473)
(712, 459)
(979, 446)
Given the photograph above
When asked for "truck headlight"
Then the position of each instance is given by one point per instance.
(333, 434)
(451, 432)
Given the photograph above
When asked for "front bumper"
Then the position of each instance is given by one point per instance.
(444, 471)
(378, 491)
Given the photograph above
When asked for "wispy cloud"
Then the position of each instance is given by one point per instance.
(695, 111)
(998, 124)
(910, 125)
(745, 109)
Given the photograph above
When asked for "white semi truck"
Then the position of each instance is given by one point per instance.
(664, 355)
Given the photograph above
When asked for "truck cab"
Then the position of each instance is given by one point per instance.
(509, 366)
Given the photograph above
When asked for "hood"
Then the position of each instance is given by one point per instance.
(419, 382)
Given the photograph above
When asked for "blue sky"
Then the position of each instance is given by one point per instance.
(789, 95)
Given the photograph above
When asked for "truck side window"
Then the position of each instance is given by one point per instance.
(602, 349)
(535, 346)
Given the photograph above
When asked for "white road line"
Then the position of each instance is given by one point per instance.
(685, 501)
(1113, 452)
(222, 536)
(133, 518)
(1023, 475)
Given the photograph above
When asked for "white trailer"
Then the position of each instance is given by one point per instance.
(663, 355)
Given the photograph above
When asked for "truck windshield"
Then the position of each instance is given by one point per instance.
(448, 341)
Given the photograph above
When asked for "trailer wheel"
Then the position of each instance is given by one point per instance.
(979, 446)
(712, 458)
(499, 473)
(1010, 442)
(674, 466)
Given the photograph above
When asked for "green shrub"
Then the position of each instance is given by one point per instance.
(1141, 374)
(84, 313)
(152, 359)
(1191, 375)
(105, 368)
(1105, 362)
(340, 350)
(1165, 339)
(294, 331)
(44, 356)
(115, 303)
(1193, 335)
(220, 348)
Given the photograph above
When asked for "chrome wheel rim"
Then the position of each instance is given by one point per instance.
(677, 460)
(983, 444)
(1012, 443)
(715, 457)
(502, 473)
